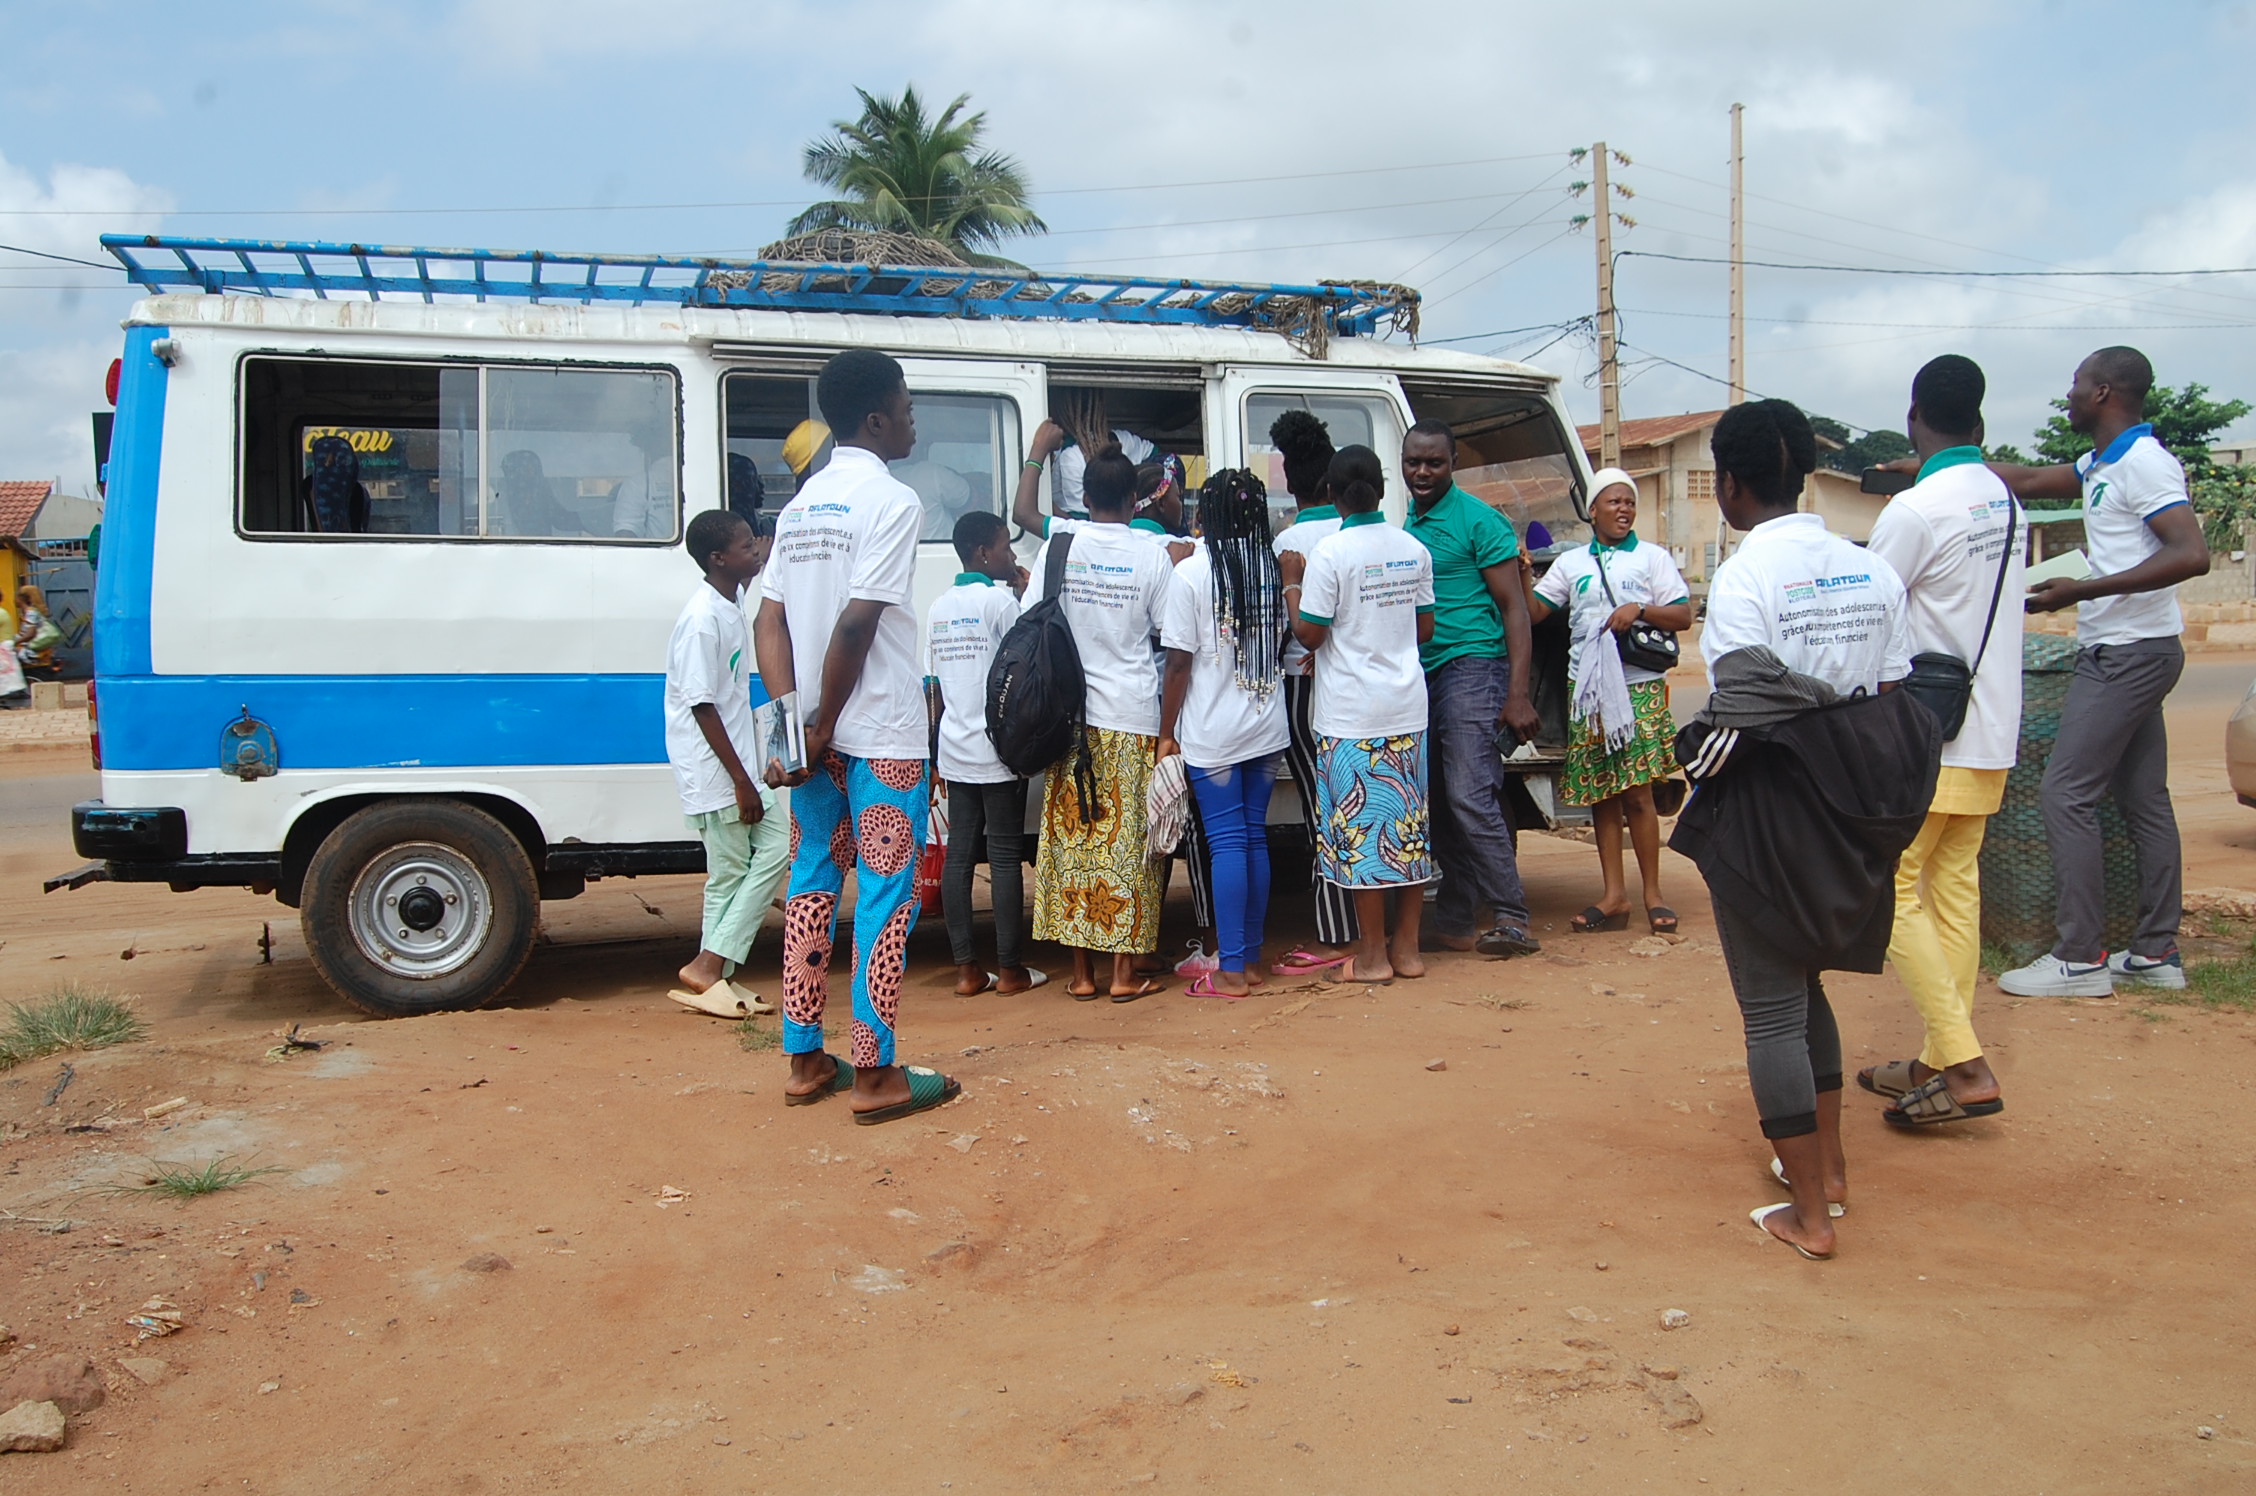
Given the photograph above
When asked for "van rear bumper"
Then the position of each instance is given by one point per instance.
(156, 833)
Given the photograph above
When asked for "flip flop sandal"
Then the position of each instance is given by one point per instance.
(1762, 1213)
(1595, 918)
(1305, 963)
(1089, 996)
(1149, 988)
(724, 999)
(841, 1079)
(1778, 1172)
(1890, 1080)
(1035, 977)
(927, 1089)
(1204, 987)
(1932, 1104)
(1661, 920)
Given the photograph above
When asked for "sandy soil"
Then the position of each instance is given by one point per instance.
(1258, 1245)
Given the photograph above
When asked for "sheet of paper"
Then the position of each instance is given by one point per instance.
(2074, 565)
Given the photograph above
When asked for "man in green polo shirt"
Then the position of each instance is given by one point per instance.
(1477, 666)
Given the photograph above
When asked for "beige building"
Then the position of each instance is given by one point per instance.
(1676, 506)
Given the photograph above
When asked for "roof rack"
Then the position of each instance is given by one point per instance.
(1308, 315)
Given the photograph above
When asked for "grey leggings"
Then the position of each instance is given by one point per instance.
(1793, 1045)
(993, 815)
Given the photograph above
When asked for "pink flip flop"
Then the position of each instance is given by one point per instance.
(1302, 962)
(1204, 987)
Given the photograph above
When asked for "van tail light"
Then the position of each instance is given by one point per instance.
(93, 726)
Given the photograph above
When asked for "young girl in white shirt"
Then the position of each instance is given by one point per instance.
(1223, 709)
(1613, 583)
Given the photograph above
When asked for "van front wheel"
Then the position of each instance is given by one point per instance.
(420, 906)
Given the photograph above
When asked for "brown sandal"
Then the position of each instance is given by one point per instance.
(1932, 1103)
(1890, 1080)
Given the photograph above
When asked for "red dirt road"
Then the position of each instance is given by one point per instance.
(1258, 1246)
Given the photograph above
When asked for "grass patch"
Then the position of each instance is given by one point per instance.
(70, 1017)
(2229, 983)
(184, 1182)
(750, 1035)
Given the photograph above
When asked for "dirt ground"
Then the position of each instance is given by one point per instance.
(1263, 1245)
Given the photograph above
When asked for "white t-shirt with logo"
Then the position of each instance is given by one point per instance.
(960, 634)
(1945, 536)
(709, 663)
(1300, 537)
(1640, 572)
(1115, 591)
(1368, 582)
(2135, 479)
(1825, 607)
(850, 535)
(1221, 722)
(1070, 464)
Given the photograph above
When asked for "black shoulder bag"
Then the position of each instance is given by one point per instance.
(1646, 646)
(1944, 683)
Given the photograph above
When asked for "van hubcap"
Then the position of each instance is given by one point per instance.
(420, 909)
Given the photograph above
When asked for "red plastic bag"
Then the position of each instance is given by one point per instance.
(935, 858)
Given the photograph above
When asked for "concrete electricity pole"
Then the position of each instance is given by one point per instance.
(1609, 365)
(1738, 263)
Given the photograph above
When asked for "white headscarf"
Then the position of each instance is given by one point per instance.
(1606, 478)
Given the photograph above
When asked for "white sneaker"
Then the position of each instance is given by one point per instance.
(2049, 976)
(2168, 972)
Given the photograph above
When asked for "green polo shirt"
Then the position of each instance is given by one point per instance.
(1464, 536)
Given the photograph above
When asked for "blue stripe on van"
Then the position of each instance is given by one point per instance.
(383, 721)
(129, 514)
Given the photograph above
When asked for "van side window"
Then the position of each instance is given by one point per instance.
(337, 447)
(1365, 420)
(775, 440)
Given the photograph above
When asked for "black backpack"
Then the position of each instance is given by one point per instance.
(1036, 693)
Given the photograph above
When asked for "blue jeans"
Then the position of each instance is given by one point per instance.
(1472, 835)
(1234, 804)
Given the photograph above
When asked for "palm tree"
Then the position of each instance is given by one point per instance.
(898, 172)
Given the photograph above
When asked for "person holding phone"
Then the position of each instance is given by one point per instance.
(1613, 760)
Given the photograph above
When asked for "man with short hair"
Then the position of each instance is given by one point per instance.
(1955, 538)
(2143, 539)
(834, 625)
(1477, 670)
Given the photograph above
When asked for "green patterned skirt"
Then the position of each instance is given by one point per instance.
(1593, 774)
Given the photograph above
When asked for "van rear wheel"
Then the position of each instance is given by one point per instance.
(420, 906)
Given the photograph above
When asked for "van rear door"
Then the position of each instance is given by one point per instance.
(1358, 406)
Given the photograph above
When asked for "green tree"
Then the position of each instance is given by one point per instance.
(1856, 453)
(2184, 420)
(897, 170)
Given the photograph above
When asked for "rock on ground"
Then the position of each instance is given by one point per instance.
(31, 1428)
(71, 1383)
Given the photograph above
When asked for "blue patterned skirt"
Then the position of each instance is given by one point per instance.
(1371, 828)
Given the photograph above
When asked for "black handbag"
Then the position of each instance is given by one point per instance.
(1944, 683)
(1646, 646)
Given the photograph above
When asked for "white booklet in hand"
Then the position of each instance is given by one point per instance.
(781, 735)
(2074, 565)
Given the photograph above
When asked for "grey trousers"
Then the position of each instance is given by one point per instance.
(2112, 743)
(1793, 1042)
(1472, 834)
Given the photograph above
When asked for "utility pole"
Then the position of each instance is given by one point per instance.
(1738, 262)
(1609, 366)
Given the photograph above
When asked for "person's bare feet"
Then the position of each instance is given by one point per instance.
(1434, 940)
(816, 1070)
(1236, 983)
(880, 1086)
(701, 974)
(1358, 972)
(971, 979)
(1970, 1081)
(1012, 979)
(1406, 963)
(1789, 1227)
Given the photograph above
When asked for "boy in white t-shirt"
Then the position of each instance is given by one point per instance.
(2143, 539)
(835, 626)
(1362, 604)
(986, 802)
(711, 744)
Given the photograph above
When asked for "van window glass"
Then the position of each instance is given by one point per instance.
(774, 438)
(965, 445)
(331, 446)
(580, 452)
(1352, 420)
(1512, 452)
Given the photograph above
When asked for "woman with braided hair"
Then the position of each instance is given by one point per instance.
(1222, 707)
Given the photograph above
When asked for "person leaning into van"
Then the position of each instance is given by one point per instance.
(1802, 799)
(1095, 890)
(1222, 708)
(1362, 605)
(1955, 539)
(1622, 742)
(835, 626)
(986, 802)
(712, 744)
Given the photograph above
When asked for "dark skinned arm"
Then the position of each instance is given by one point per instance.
(1174, 685)
(850, 643)
(1425, 626)
(1508, 586)
(708, 719)
(1026, 506)
(2184, 556)
(771, 651)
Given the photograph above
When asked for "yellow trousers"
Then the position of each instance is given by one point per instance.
(1937, 945)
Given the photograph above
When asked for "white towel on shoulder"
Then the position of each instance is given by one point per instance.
(1603, 692)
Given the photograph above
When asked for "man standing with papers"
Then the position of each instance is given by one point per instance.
(2143, 539)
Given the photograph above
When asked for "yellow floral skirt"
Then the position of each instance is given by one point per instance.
(1094, 887)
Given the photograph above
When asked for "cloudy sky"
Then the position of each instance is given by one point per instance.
(1421, 140)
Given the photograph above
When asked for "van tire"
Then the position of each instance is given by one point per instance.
(471, 902)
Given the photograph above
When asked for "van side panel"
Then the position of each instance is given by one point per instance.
(129, 518)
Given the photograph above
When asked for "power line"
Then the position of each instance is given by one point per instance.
(1650, 254)
(1962, 326)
